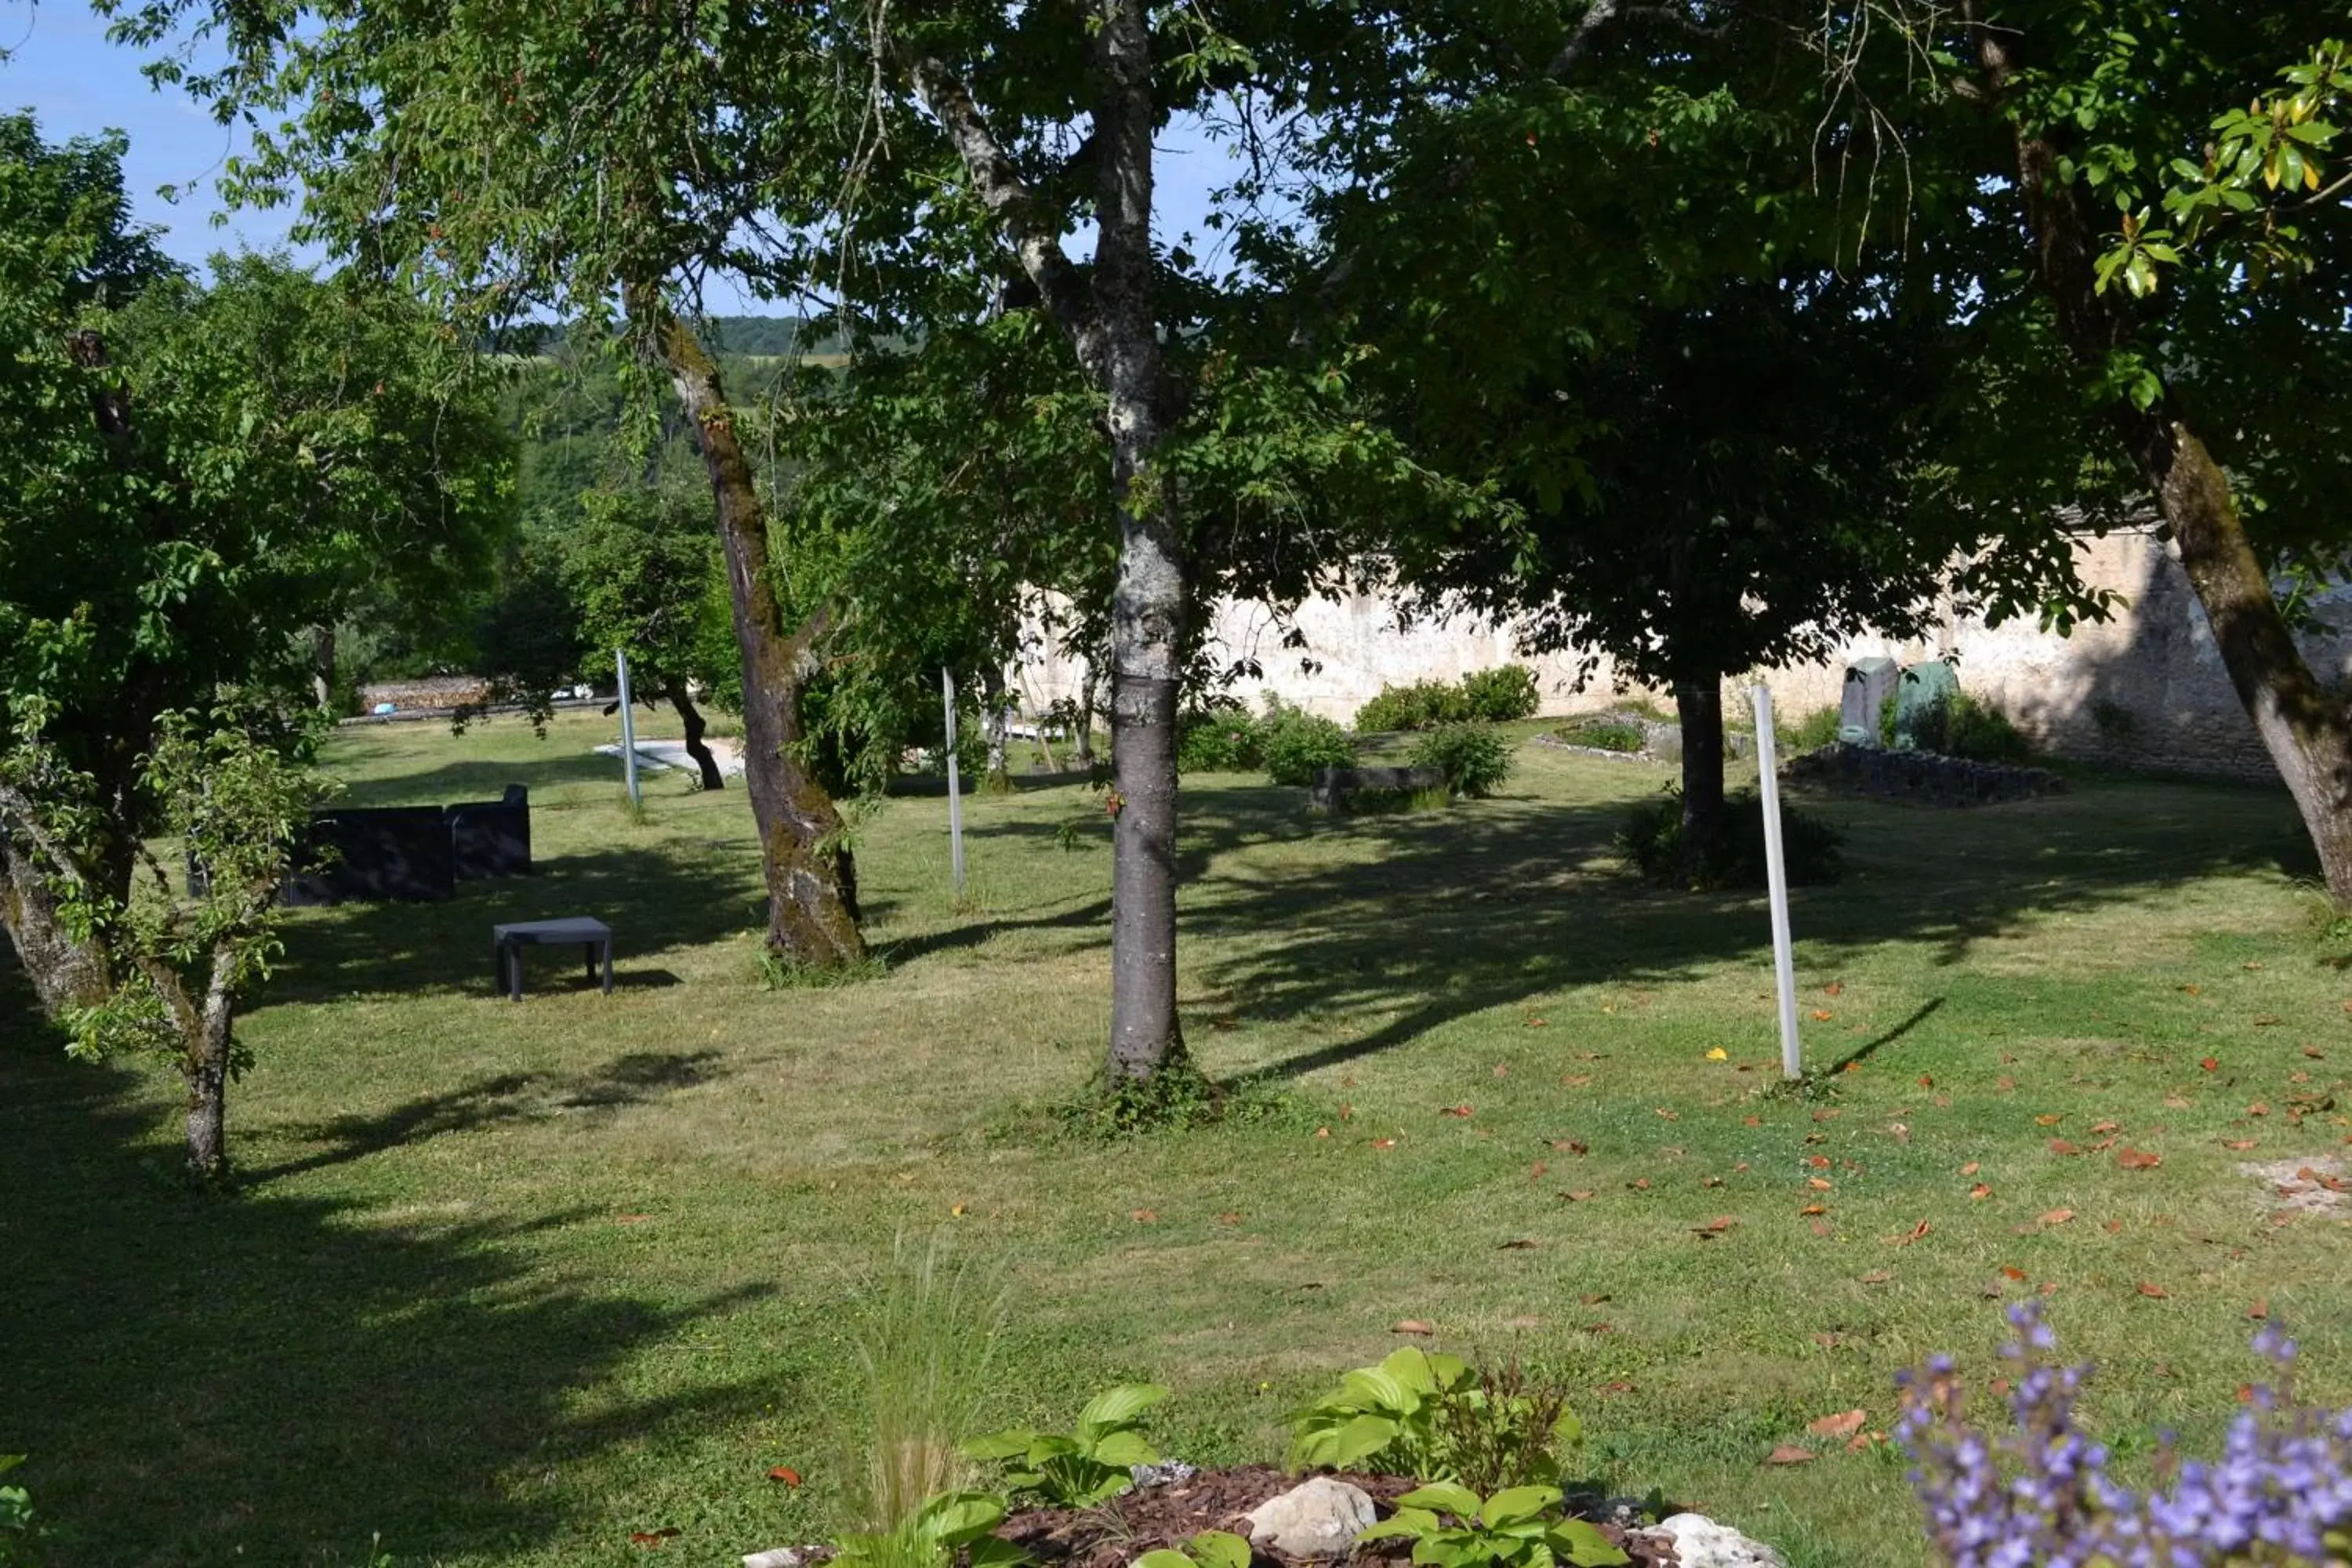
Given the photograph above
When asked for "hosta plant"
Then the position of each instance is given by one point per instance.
(1209, 1549)
(1086, 1468)
(1435, 1416)
(1452, 1527)
(933, 1535)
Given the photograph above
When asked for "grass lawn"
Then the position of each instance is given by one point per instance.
(507, 1284)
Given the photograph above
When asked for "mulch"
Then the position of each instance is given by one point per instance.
(1150, 1518)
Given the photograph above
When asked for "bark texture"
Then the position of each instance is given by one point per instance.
(204, 1029)
(1698, 708)
(993, 726)
(1108, 319)
(811, 875)
(690, 716)
(64, 973)
(2306, 729)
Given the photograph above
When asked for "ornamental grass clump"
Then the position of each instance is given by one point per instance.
(2039, 1497)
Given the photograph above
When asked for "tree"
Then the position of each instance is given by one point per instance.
(579, 157)
(193, 478)
(237, 807)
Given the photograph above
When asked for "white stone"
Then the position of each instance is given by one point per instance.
(1701, 1542)
(780, 1557)
(1318, 1517)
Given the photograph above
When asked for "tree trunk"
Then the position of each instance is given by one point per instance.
(1085, 737)
(205, 1063)
(322, 667)
(65, 973)
(2307, 730)
(1698, 706)
(691, 717)
(811, 876)
(991, 692)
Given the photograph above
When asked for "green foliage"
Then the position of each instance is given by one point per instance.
(1296, 745)
(1434, 1417)
(1652, 838)
(1958, 725)
(21, 1530)
(1422, 705)
(954, 1527)
(1178, 1097)
(926, 1346)
(1451, 1526)
(1502, 694)
(1209, 1548)
(1084, 1468)
(1476, 757)
(1218, 738)
(1812, 732)
(1605, 732)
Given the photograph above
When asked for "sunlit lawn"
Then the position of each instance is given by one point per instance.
(507, 1284)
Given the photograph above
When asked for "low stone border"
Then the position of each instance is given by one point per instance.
(1926, 777)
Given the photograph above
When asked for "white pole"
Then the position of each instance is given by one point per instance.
(955, 787)
(628, 730)
(1775, 866)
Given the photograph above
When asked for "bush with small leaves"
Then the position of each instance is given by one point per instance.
(1501, 695)
(1422, 705)
(1088, 1467)
(1296, 745)
(1452, 1527)
(1474, 757)
(1436, 1417)
(1221, 738)
(1652, 839)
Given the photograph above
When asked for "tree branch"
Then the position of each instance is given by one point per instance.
(1599, 14)
(1009, 199)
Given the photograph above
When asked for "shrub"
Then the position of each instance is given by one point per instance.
(1424, 705)
(1476, 759)
(1957, 725)
(1296, 745)
(1517, 1527)
(1812, 732)
(1605, 732)
(1085, 1468)
(1221, 738)
(2042, 1494)
(1499, 696)
(1652, 839)
(1436, 1417)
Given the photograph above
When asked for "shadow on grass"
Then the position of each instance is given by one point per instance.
(1433, 916)
(273, 1378)
(446, 784)
(659, 897)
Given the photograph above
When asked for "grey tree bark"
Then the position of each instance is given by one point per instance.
(1108, 319)
(690, 716)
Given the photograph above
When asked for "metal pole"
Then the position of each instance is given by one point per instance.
(955, 785)
(628, 730)
(1776, 865)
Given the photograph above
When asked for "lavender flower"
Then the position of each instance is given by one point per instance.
(2039, 1497)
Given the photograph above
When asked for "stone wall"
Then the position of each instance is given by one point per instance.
(2144, 689)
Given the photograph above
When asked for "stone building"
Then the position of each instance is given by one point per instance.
(2144, 689)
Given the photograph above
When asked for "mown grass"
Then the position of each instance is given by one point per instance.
(508, 1284)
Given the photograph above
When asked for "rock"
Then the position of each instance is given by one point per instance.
(785, 1557)
(1167, 1473)
(1317, 1519)
(1700, 1543)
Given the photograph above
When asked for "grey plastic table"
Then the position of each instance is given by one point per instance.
(507, 943)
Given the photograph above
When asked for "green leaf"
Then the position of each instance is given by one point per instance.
(1406, 1522)
(1567, 1431)
(1163, 1558)
(1518, 1504)
(1012, 1443)
(1453, 1498)
(1118, 1406)
(954, 1518)
(1409, 1367)
(1220, 1549)
(1361, 1438)
(995, 1551)
(1126, 1448)
(1581, 1542)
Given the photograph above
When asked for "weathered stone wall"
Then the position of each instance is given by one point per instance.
(2145, 688)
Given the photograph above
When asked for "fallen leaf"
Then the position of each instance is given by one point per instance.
(2211, 1064)
(1145, 1217)
(1715, 1226)
(1711, 1181)
(786, 1474)
(1522, 1244)
(1609, 1389)
(1455, 1110)
(2258, 1108)
(1501, 1069)
(2260, 1309)
(2315, 1053)
(2006, 1084)
(1573, 1145)
(2178, 1102)
(1980, 1191)
(2114, 1226)
(2132, 1159)
(652, 1537)
(1383, 1142)
(1751, 1121)
(1788, 1454)
(2194, 990)
(1821, 1227)
(2060, 1146)
(1818, 1162)
(1926, 1081)
(1829, 1114)
(2009, 1272)
(1640, 1184)
(1578, 1197)
(1537, 1022)
(1670, 1115)
(1230, 1217)
(1877, 1276)
(1717, 1054)
(1813, 1209)
(1971, 1169)
(1817, 1185)
(1909, 1237)
(2106, 1127)
(2157, 1291)
(1414, 1326)
(1575, 1080)
(2049, 1120)
(1844, 1424)
(1820, 1016)
(1322, 1133)
(2264, 1020)
(1861, 1440)
(1835, 988)
(1536, 1171)
(2239, 1143)
(1595, 1299)
(2057, 1217)
(958, 1210)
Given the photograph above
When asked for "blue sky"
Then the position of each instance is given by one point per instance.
(61, 67)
